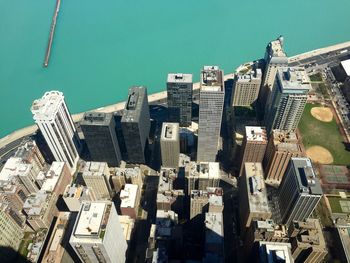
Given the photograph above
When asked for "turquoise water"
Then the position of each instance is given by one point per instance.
(103, 47)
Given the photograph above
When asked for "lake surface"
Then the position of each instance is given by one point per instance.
(103, 47)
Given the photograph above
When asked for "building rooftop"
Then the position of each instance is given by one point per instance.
(128, 195)
(36, 203)
(346, 66)
(214, 227)
(275, 48)
(305, 174)
(133, 104)
(90, 219)
(344, 235)
(256, 133)
(212, 79)
(95, 168)
(170, 131)
(47, 106)
(166, 177)
(13, 167)
(271, 252)
(252, 75)
(204, 169)
(257, 194)
(165, 221)
(127, 172)
(179, 78)
(52, 176)
(24, 150)
(294, 80)
(96, 118)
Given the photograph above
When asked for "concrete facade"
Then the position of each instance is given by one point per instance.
(170, 145)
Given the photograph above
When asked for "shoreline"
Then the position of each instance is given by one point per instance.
(17, 134)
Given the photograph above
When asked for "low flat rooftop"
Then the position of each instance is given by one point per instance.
(128, 195)
(90, 219)
(214, 222)
(52, 176)
(179, 78)
(95, 168)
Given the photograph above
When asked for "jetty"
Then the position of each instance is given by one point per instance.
(52, 33)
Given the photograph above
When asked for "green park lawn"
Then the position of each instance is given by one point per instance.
(325, 134)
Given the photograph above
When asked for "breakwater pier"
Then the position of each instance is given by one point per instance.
(52, 33)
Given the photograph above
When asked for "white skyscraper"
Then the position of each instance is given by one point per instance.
(97, 234)
(211, 103)
(54, 121)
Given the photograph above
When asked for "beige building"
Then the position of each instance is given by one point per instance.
(122, 176)
(40, 209)
(75, 195)
(253, 204)
(130, 199)
(30, 154)
(170, 145)
(282, 146)
(308, 243)
(246, 88)
(11, 228)
(202, 175)
(96, 177)
(254, 145)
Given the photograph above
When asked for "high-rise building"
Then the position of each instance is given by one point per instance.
(136, 124)
(286, 104)
(307, 240)
(214, 238)
(122, 176)
(55, 123)
(282, 146)
(170, 145)
(246, 88)
(179, 91)
(11, 229)
(97, 178)
(253, 204)
(97, 234)
(209, 200)
(211, 102)
(299, 192)
(275, 57)
(254, 145)
(100, 137)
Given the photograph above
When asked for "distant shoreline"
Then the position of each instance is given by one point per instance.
(17, 134)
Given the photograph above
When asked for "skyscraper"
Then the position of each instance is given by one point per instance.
(282, 146)
(97, 234)
(100, 137)
(179, 90)
(170, 145)
(275, 57)
(54, 121)
(211, 104)
(254, 145)
(299, 192)
(136, 124)
(287, 101)
(246, 88)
